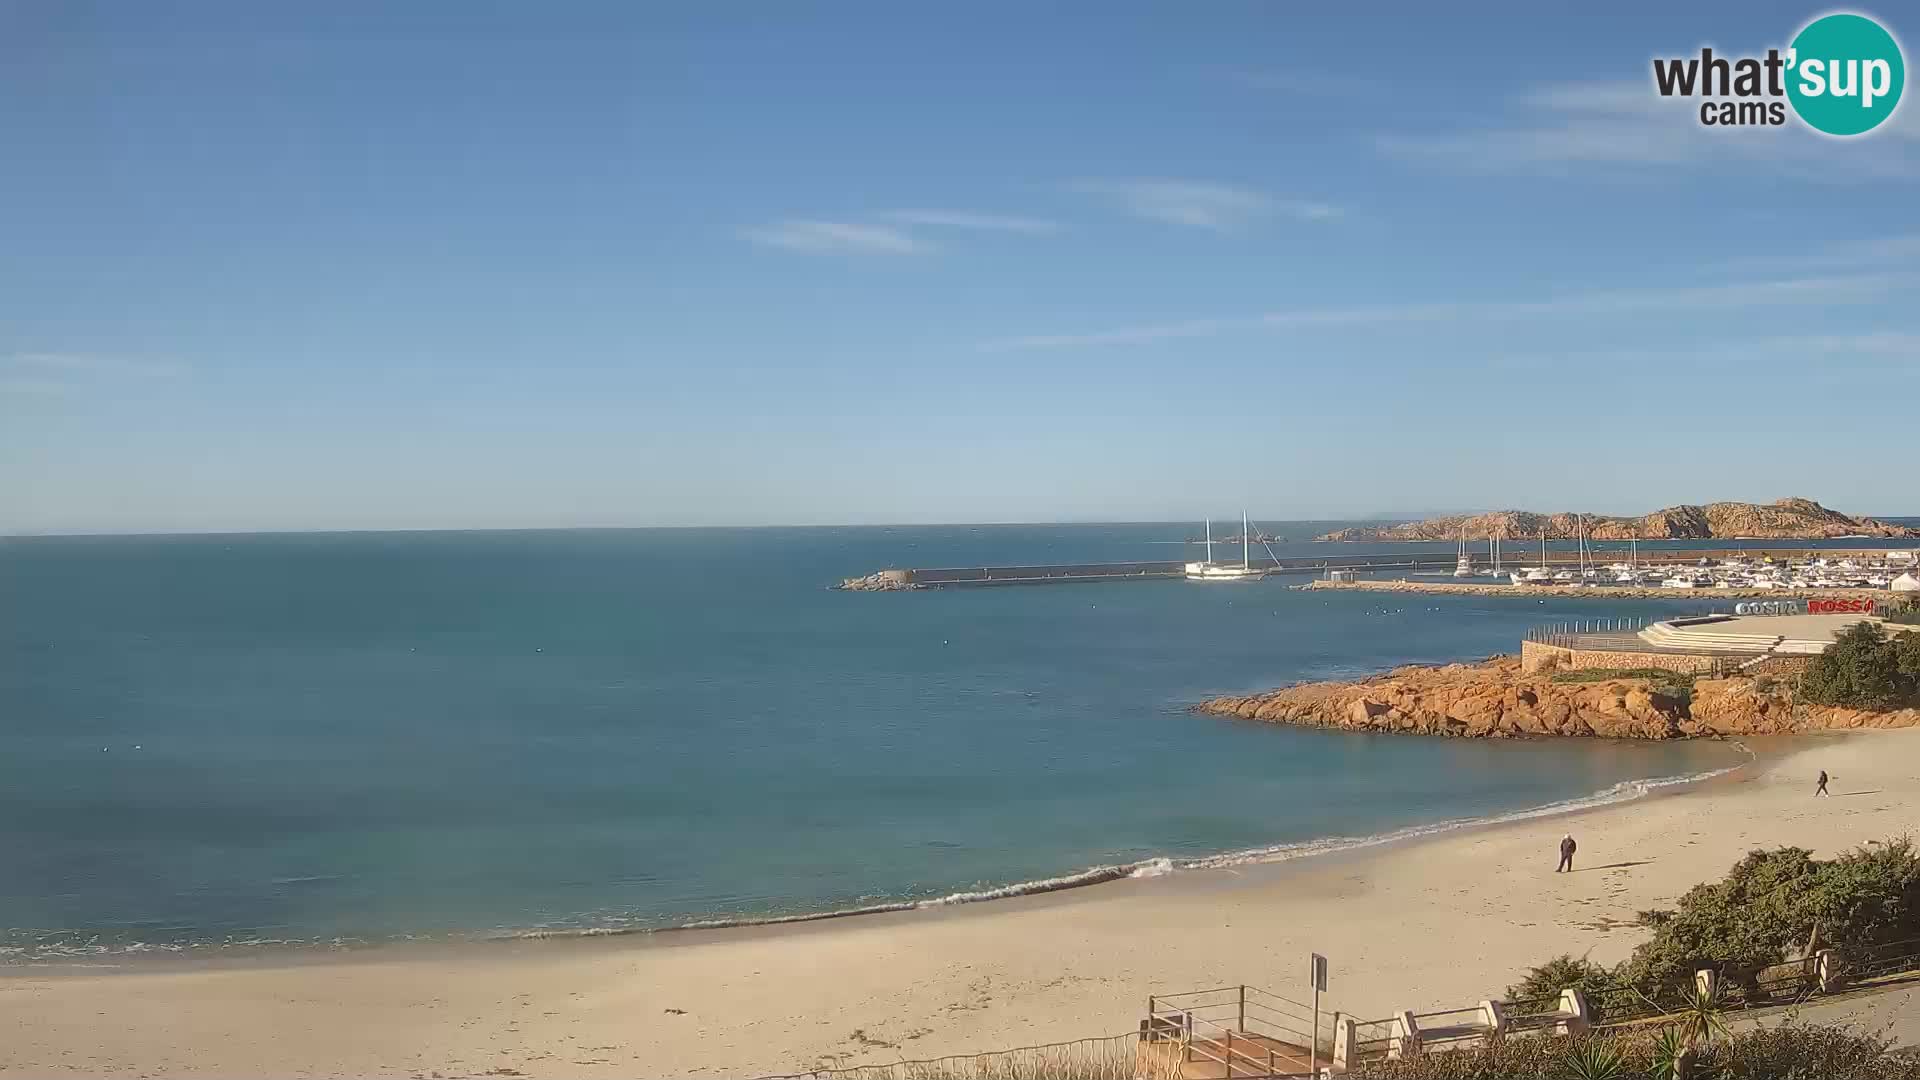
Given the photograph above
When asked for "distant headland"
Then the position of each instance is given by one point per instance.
(1788, 519)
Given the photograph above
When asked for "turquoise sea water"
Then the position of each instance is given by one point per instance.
(368, 736)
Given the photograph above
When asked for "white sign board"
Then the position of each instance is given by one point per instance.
(1319, 976)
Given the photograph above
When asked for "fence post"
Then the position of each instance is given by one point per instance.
(1827, 965)
(1243, 1007)
(1406, 1036)
(1707, 981)
(1495, 1017)
(1578, 1018)
(1343, 1039)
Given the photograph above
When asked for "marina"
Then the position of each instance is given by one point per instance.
(1779, 568)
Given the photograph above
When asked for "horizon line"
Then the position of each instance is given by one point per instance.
(376, 531)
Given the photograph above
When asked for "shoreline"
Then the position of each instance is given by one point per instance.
(1088, 882)
(1424, 922)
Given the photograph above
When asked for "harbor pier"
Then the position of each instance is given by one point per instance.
(1435, 564)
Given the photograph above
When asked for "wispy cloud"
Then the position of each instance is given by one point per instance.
(1876, 350)
(49, 374)
(32, 387)
(966, 219)
(1614, 98)
(837, 238)
(1899, 251)
(1620, 128)
(1200, 204)
(87, 364)
(1814, 290)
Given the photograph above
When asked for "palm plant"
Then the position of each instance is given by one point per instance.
(1595, 1059)
(1668, 1050)
(1701, 1019)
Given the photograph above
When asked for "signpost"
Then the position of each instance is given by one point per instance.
(1318, 977)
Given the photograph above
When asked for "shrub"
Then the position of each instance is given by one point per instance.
(1791, 1051)
(1788, 1052)
(1547, 980)
(1765, 911)
(1659, 675)
(1738, 925)
(1864, 669)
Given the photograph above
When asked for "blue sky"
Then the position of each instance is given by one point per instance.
(456, 265)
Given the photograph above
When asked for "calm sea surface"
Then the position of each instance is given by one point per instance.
(367, 736)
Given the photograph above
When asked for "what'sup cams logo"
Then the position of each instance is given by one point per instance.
(1842, 75)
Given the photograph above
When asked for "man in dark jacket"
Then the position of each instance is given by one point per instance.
(1567, 848)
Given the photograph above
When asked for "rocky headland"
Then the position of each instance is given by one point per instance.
(1496, 699)
(1787, 519)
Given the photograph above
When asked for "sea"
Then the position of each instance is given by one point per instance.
(223, 742)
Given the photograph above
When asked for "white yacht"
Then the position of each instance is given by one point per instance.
(1463, 566)
(1536, 575)
(1208, 570)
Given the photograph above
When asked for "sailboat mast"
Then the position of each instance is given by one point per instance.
(1246, 542)
(1209, 540)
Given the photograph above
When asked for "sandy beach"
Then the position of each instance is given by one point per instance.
(1441, 921)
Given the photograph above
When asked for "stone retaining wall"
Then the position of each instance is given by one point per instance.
(1536, 656)
(1782, 666)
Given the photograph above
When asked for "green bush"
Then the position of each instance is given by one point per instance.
(1546, 981)
(1791, 1051)
(1865, 669)
(1659, 675)
(1788, 1052)
(1766, 909)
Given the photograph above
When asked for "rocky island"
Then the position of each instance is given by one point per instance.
(1787, 519)
(1496, 699)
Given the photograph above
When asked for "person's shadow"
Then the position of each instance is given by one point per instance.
(1613, 866)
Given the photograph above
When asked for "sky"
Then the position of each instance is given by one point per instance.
(455, 265)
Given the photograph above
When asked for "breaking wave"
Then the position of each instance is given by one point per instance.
(69, 948)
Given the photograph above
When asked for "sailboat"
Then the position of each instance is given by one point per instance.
(1208, 570)
(1589, 568)
(1536, 575)
(1463, 567)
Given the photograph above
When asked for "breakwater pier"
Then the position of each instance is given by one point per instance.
(945, 577)
(1436, 563)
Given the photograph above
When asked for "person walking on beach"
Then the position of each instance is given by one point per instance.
(1567, 848)
(1820, 791)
